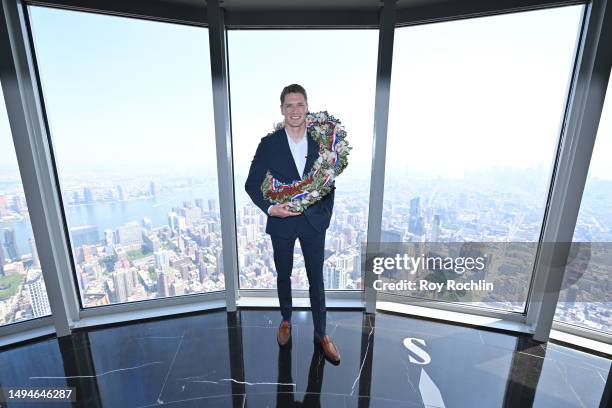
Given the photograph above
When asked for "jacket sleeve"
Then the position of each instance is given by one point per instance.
(257, 173)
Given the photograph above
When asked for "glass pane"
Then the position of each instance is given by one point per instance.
(129, 104)
(23, 295)
(585, 300)
(475, 113)
(329, 78)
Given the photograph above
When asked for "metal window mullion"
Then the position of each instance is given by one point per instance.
(189, 13)
(381, 118)
(434, 12)
(220, 85)
(32, 149)
(584, 110)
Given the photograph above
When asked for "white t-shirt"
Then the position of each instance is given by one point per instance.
(299, 151)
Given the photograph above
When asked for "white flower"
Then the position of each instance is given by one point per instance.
(315, 194)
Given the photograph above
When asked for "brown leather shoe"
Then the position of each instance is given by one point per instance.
(332, 354)
(284, 333)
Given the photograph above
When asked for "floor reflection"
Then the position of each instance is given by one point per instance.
(220, 359)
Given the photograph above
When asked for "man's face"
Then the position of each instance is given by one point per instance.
(294, 109)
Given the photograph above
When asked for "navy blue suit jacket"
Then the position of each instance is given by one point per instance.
(274, 154)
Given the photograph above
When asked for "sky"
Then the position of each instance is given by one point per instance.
(466, 95)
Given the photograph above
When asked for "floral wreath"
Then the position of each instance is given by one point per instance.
(327, 131)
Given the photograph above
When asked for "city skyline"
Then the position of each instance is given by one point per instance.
(265, 278)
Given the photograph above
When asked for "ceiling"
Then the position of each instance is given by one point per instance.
(235, 5)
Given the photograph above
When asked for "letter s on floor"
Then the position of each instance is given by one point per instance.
(411, 344)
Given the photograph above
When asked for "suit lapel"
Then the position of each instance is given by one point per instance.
(313, 152)
(289, 157)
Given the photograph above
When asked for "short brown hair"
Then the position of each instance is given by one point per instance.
(293, 88)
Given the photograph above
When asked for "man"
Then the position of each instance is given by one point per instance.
(289, 153)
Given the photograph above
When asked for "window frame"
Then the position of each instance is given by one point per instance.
(30, 132)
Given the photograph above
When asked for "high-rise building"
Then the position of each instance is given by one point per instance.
(415, 206)
(129, 234)
(177, 288)
(10, 244)
(251, 232)
(191, 215)
(572, 294)
(162, 260)
(416, 225)
(1, 261)
(3, 205)
(213, 206)
(84, 235)
(213, 226)
(109, 237)
(150, 242)
(35, 260)
(87, 195)
(120, 193)
(202, 271)
(147, 224)
(132, 279)
(84, 254)
(38, 294)
(121, 285)
(390, 236)
(18, 204)
(333, 277)
(182, 223)
(153, 188)
(173, 222)
(163, 286)
(357, 269)
(435, 228)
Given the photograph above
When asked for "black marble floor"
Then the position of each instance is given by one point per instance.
(232, 360)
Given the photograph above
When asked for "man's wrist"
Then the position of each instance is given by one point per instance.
(268, 210)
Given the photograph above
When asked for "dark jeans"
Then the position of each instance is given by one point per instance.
(312, 243)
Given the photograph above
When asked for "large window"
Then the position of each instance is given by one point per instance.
(23, 295)
(129, 106)
(338, 70)
(585, 300)
(475, 113)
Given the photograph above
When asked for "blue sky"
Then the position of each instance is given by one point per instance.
(466, 95)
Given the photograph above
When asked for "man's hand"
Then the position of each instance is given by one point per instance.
(282, 211)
